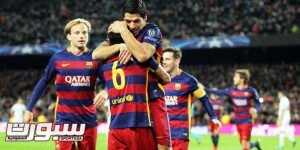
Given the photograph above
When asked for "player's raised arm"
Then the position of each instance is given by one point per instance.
(105, 50)
(219, 92)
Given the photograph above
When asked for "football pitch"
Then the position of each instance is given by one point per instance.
(227, 142)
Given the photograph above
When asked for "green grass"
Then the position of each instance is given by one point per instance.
(227, 142)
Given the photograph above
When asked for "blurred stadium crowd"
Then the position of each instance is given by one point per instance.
(36, 21)
(267, 78)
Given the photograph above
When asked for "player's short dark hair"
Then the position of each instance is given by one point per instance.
(244, 74)
(176, 52)
(115, 38)
(135, 7)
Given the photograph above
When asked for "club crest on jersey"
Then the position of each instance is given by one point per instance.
(177, 86)
(151, 32)
(78, 80)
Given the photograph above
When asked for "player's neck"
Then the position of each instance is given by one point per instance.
(242, 86)
(175, 72)
(76, 50)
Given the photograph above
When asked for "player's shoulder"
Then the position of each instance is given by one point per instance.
(152, 29)
(59, 53)
(151, 26)
(252, 89)
(189, 77)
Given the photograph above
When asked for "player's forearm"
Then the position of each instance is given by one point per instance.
(37, 93)
(208, 107)
(104, 52)
(219, 92)
(160, 72)
(163, 75)
(136, 48)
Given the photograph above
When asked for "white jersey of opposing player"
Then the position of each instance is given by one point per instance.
(284, 109)
(18, 111)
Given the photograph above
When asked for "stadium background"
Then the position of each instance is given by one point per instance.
(216, 36)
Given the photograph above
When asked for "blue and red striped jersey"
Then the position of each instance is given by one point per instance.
(242, 100)
(127, 92)
(151, 34)
(178, 97)
(75, 78)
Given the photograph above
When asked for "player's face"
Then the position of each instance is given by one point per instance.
(236, 79)
(79, 35)
(169, 62)
(134, 22)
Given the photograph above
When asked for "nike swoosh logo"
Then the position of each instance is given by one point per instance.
(65, 65)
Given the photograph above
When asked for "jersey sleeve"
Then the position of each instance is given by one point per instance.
(219, 92)
(40, 87)
(256, 99)
(197, 88)
(153, 36)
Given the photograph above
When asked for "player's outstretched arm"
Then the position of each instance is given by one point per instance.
(105, 50)
(220, 92)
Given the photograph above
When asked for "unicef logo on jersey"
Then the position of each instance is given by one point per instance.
(78, 80)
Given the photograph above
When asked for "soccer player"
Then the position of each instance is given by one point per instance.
(283, 121)
(17, 111)
(245, 100)
(217, 105)
(75, 74)
(178, 96)
(143, 41)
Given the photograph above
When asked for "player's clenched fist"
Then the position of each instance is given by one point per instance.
(117, 27)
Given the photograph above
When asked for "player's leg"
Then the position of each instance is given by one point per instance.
(143, 139)
(131, 139)
(290, 134)
(281, 136)
(180, 144)
(245, 135)
(160, 120)
(214, 129)
(117, 139)
(89, 139)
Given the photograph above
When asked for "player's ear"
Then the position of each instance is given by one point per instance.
(69, 37)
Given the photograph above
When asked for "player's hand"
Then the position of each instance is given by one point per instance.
(100, 98)
(253, 112)
(117, 27)
(124, 55)
(28, 117)
(217, 122)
